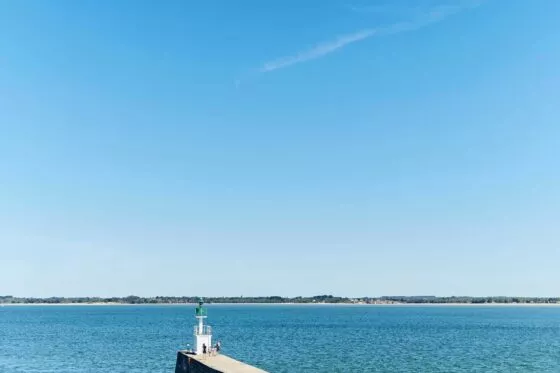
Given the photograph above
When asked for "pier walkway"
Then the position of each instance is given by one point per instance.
(217, 363)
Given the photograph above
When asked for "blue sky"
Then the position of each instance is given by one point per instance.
(279, 147)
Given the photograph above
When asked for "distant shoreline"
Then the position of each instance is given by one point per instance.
(295, 304)
(422, 300)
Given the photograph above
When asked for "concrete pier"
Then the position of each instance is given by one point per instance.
(190, 363)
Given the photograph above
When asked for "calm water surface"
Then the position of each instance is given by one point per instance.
(284, 338)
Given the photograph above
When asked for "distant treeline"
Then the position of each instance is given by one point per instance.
(471, 300)
(132, 299)
(276, 299)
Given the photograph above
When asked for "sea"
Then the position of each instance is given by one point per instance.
(284, 338)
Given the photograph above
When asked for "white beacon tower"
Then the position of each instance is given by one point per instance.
(202, 333)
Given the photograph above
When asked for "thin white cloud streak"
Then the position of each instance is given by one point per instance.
(434, 15)
(317, 51)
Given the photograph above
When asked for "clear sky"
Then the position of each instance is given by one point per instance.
(279, 147)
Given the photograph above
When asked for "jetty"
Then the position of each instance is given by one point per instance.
(191, 363)
(207, 358)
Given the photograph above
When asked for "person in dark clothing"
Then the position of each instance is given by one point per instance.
(204, 348)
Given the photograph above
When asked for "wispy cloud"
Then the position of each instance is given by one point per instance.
(435, 14)
(317, 51)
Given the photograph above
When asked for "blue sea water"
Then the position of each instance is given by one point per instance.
(284, 338)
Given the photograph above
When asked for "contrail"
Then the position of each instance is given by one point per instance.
(322, 49)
